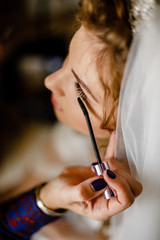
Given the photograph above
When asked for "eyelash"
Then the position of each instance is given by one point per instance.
(80, 91)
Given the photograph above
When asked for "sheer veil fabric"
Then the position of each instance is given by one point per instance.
(138, 133)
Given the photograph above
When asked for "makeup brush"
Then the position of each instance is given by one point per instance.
(85, 112)
(99, 166)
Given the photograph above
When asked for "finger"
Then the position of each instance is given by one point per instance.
(136, 187)
(118, 164)
(79, 172)
(111, 146)
(88, 189)
(121, 188)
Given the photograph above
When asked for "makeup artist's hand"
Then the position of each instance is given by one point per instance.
(78, 189)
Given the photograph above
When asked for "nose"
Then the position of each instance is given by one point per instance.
(55, 83)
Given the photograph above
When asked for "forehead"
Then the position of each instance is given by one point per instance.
(83, 53)
(82, 48)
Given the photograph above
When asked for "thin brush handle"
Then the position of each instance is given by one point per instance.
(98, 167)
(85, 112)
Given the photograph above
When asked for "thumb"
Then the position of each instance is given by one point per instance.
(111, 146)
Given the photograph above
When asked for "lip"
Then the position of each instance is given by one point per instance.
(55, 104)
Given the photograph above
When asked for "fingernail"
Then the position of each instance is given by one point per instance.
(111, 174)
(98, 184)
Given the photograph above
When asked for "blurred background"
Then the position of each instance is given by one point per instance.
(34, 147)
(34, 37)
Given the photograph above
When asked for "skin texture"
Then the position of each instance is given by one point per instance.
(72, 188)
(81, 58)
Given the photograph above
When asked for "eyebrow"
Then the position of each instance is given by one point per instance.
(83, 85)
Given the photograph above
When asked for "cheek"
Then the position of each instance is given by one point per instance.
(77, 119)
(73, 115)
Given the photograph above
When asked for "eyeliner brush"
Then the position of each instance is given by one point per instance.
(85, 112)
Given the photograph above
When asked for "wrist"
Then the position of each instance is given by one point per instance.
(42, 201)
(44, 195)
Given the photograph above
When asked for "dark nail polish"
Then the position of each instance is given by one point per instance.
(94, 164)
(98, 184)
(111, 174)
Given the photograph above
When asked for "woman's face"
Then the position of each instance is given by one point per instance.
(79, 77)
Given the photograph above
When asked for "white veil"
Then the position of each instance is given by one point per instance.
(138, 133)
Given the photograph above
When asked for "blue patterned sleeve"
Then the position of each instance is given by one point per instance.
(20, 217)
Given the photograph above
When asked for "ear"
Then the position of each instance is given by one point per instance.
(111, 146)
